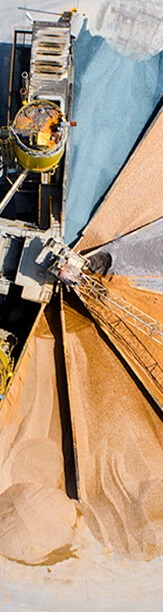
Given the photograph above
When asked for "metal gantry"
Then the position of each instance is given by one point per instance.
(115, 315)
(118, 305)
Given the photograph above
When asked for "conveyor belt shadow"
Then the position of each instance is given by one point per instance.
(53, 318)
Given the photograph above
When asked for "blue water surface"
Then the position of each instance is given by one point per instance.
(113, 99)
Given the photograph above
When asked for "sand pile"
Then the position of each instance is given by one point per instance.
(118, 438)
(139, 341)
(135, 198)
(117, 441)
(37, 518)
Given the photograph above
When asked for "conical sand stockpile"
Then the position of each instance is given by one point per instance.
(117, 441)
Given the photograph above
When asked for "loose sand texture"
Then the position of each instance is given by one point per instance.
(136, 254)
(150, 303)
(135, 198)
(117, 442)
(141, 346)
(36, 515)
(118, 438)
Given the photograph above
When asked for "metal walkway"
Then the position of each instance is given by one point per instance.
(50, 61)
(115, 315)
(131, 314)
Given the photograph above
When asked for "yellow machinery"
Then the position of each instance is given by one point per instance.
(7, 343)
(39, 131)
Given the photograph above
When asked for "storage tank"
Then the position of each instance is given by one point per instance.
(40, 132)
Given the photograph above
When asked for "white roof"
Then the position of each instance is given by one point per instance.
(134, 28)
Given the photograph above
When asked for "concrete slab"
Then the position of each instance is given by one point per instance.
(92, 582)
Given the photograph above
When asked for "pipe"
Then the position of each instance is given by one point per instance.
(21, 8)
(13, 190)
(24, 76)
(23, 95)
(68, 124)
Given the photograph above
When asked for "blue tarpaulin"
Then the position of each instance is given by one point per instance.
(113, 99)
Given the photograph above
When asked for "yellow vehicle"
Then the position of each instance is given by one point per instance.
(7, 344)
